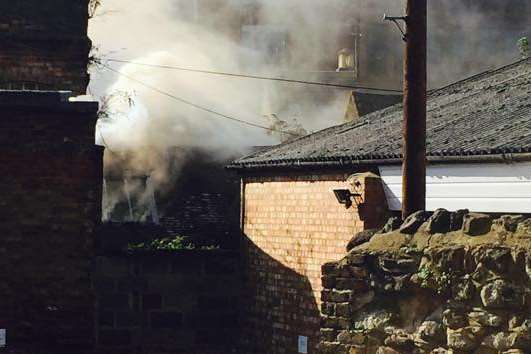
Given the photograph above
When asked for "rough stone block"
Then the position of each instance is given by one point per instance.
(328, 334)
(387, 350)
(392, 224)
(500, 294)
(328, 282)
(328, 309)
(483, 318)
(509, 222)
(352, 337)
(475, 224)
(398, 266)
(344, 283)
(332, 348)
(361, 238)
(413, 222)
(465, 339)
(343, 310)
(361, 300)
(334, 322)
(329, 268)
(456, 219)
(340, 296)
(439, 222)
(498, 259)
(356, 259)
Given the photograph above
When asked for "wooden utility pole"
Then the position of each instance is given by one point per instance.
(414, 126)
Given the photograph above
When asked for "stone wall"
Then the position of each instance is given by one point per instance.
(50, 183)
(450, 283)
(292, 225)
(174, 302)
(44, 45)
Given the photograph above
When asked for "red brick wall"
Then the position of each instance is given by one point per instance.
(50, 183)
(44, 45)
(292, 225)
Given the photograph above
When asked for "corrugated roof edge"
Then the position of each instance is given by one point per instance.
(516, 155)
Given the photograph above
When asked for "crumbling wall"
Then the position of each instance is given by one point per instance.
(168, 302)
(451, 283)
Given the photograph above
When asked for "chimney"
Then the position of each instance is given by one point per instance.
(346, 60)
(360, 104)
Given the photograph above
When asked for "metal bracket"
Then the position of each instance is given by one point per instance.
(395, 20)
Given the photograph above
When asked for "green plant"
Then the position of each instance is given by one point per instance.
(425, 274)
(176, 243)
(166, 244)
(432, 279)
(523, 47)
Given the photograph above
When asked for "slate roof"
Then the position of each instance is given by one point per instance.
(487, 114)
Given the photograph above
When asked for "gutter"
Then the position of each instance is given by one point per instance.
(346, 162)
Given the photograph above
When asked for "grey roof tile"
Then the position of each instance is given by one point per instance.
(489, 113)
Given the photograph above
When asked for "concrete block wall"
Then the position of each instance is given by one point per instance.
(175, 302)
(293, 224)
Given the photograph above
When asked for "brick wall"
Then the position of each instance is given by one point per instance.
(292, 225)
(44, 45)
(178, 302)
(50, 182)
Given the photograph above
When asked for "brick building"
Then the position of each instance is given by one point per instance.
(478, 143)
(44, 45)
(50, 179)
(51, 204)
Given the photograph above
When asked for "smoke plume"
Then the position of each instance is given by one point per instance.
(291, 38)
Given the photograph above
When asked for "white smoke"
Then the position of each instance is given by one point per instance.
(293, 38)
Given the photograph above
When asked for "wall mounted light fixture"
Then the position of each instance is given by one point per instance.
(344, 196)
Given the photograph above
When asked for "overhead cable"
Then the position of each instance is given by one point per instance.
(208, 110)
(256, 77)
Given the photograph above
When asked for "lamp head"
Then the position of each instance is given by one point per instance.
(343, 196)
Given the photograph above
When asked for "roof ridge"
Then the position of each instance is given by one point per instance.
(480, 74)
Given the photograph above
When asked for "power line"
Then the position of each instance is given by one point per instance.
(316, 83)
(179, 99)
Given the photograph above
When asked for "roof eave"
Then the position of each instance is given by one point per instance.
(298, 164)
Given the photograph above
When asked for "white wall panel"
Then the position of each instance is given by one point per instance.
(500, 188)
